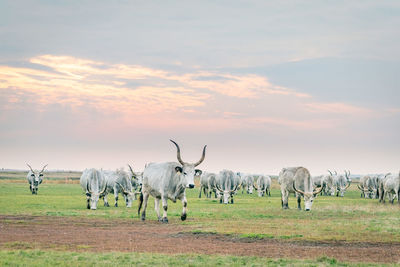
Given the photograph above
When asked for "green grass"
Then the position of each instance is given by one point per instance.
(56, 258)
(349, 219)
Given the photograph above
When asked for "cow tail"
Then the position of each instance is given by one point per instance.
(140, 203)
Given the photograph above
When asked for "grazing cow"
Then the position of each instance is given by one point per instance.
(263, 185)
(94, 184)
(168, 180)
(247, 182)
(391, 187)
(208, 183)
(35, 178)
(297, 180)
(118, 181)
(227, 184)
(369, 186)
(341, 183)
(136, 181)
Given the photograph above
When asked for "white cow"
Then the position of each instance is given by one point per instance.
(94, 184)
(35, 178)
(168, 180)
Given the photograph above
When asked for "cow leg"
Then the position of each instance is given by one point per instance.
(88, 203)
(116, 198)
(201, 187)
(157, 207)
(384, 197)
(105, 199)
(285, 199)
(184, 203)
(165, 208)
(298, 202)
(145, 199)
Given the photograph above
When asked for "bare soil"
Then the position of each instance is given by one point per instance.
(81, 234)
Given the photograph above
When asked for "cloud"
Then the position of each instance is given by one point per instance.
(137, 94)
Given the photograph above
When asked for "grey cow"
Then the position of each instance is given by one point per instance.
(227, 184)
(118, 181)
(341, 183)
(263, 185)
(136, 181)
(297, 180)
(94, 185)
(168, 180)
(391, 187)
(208, 183)
(35, 178)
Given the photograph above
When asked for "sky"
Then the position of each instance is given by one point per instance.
(264, 84)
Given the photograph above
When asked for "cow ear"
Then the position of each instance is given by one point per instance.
(178, 169)
(198, 172)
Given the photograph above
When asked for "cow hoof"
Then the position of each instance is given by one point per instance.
(106, 205)
(159, 219)
(116, 205)
(164, 220)
(143, 218)
(220, 201)
(183, 217)
(88, 207)
(231, 201)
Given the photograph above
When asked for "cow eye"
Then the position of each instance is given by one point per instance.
(32, 174)
(40, 174)
(185, 173)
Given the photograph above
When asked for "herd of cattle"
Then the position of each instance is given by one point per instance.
(169, 180)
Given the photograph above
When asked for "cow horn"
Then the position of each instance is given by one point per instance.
(202, 157)
(359, 187)
(178, 152)
(87, 188)
(44, 168)
(123, 189)
(219, 189)
(105, 188)
(330, 172)
(254, 187)
(319, 191)
(335, 172)
(348, 185)
(30, 167)
(298, 191)
(130, 168)
(234, 189)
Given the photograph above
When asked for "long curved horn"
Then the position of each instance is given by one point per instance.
(335, 172)
(130, 169)
(105, 188)
(43, 168)
(202, 157)
(319, 191)
(348, 185)
(123, 189)
(178, 152)
(219, 189)
(359, 187)
(255, 187)
(87, 188)
(298, 191)
(30, 167)
(234, 189)
(330, 172)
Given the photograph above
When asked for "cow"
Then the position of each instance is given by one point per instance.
(35, 178)
(369, 186)
(263, 185)
(94, 184)
(227, 184)
(247, 182)
(208, 182)
(168, 180)
(136, 181)
(381, 182)
(341, 183)
(118, 181)
(297, 180)
(391, 187)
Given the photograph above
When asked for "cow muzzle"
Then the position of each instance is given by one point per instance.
(191, 185)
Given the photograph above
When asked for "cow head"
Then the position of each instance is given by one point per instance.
(93, 196)
(308, 197)
(36, 178)
(187, 171)
(226, 194)
(136, 178)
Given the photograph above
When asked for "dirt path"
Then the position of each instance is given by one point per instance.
(78, 234)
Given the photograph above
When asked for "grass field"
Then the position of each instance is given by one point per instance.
(348, 219)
